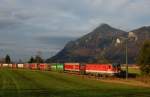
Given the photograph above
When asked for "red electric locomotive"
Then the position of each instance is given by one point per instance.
(103, 69)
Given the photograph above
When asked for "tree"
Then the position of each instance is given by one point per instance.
(38, 59)
(144, 58)
(31, 60)
(7, 59)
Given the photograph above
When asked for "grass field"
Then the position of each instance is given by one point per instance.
(27, 83)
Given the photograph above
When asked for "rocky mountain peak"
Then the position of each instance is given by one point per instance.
(99, 46)
(104, 25)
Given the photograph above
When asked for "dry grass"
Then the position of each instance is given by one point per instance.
(131, 82)
(144, 79)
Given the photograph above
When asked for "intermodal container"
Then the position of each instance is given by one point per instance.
(26, 66)
(60, 67)
(20, 65)
(5, 65)
(10, 65)
(43, 66)
(33, 66)
(72, 66)
(14, 65)
(53, 67)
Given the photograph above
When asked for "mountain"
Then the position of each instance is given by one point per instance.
(99, 46)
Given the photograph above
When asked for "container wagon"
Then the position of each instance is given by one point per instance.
(72, 67)
(53, 67)
(26, 66)
(4, 65)
(43, 66)
(20, 65)
(14, 66)
(33, 66)
(57, 67)
(10, 65)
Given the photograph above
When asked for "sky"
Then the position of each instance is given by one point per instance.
(30, 26)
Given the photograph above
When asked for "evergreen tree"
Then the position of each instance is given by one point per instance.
(38, 59)
(31, 60)
(7, 59)
(144, 58)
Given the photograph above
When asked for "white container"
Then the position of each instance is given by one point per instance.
(5, 65)
(9, 65)
(20, 65)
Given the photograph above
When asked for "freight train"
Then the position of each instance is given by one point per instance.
(94, 69)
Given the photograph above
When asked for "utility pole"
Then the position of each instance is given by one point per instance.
(126, 58)
(126, 52)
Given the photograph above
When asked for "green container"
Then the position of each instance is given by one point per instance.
(53, 67)
(57, 67)
(60, 67)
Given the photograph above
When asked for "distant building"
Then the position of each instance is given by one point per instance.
(132, 36)
(118, 40)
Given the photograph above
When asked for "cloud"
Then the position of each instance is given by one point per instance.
(29, 25)
(54, 40)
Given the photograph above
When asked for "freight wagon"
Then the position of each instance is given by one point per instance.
(33, 66)
(43, 66)
(20, 65)
(72, 67)
(26, 66)
(14, 66)
(4, 65)
(10, 65)
(57, 67)
(53, 67)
